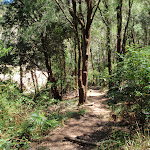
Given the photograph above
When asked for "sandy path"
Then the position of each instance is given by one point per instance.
(88, 127)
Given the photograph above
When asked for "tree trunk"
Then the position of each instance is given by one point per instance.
(84, 41)
(93, 83)
(80, 79)
(36, 80)
(85, 53)
(126, 27)
(54, 87)
(76, 65)
(109, 53)
(119, 27)
(21, 78)
(32, 75)
(107, 21)
(51, 77)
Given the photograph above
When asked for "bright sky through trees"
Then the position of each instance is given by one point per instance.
(7, 1)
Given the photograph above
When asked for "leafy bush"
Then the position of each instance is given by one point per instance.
(19, 122)
(13, 112)
(131, 82)
(23, 120)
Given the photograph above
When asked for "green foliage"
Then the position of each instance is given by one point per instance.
(37, 125)
(12, 109)
(131, 81)
(23, 120)
(4, 51)
(115, 141)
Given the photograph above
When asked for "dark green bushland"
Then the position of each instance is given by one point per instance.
(131, 86)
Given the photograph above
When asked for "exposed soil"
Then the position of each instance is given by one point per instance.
(95, 126)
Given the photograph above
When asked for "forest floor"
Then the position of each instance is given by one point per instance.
(82, 132)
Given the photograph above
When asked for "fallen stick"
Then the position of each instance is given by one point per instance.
(90, 104)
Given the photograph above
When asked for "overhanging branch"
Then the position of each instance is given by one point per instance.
(95, 11)
(64, 13)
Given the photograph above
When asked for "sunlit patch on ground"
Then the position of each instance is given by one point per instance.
(95, 93)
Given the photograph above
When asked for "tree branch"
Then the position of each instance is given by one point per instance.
(95, 10)
(104, 21)
(64, 13)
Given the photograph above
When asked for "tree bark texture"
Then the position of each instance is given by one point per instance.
(84, 49)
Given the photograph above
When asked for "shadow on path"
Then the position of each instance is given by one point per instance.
(95, 126)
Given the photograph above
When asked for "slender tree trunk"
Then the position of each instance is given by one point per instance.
(107, 21)
(126, 28)
(86, 36)
(132, 36)
(119, 27)
(54, 87)
(61, 85)
(109, 54)
(36, 80)
(76, 65)
(80, 52)
(80, 83)
(21, 78)
(51, 77)
(109, 50)
(21, 70)
(64, 65)
(92, 66)
(132, 32)
(32, 75)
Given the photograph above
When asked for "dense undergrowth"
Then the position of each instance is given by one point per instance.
(130, 95)
(131, 83)
(24, 120)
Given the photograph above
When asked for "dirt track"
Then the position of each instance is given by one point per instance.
(91, 127)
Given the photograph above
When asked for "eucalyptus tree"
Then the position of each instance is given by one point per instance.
(81, 13)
